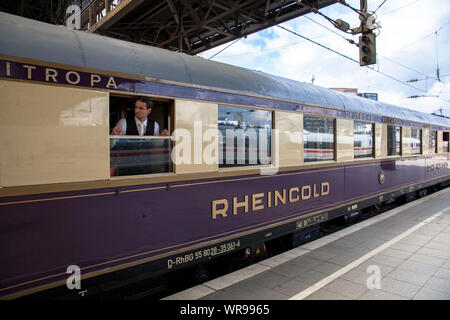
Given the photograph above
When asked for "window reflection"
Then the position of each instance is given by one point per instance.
(139, 156)
(363, 139)
(433, 139)
(318, 139)
(416, 141)
(244, 137)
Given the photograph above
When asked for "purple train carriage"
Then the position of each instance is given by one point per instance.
(250, 157)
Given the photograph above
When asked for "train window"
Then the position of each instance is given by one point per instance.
(244, 137)
(394, 142)
(446, 142)
(138, 147)
(363, 139)
(433, 141)
(416, 141)
(318, 135)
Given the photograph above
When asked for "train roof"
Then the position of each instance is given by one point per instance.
(25, 38)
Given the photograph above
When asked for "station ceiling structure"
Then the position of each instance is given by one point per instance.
(189, 26)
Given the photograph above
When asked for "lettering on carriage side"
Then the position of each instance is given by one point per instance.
(219, 211)
(77, 77)
(237, 205)
(54, 75)
(291, 197)
(358, 116)
(30, 71)
(306, 192)
(205, 253)
(243, 204)
(437, 166)
(111, 83)
(95, 78)
(389, 120)
(51, 73)
(257, 201)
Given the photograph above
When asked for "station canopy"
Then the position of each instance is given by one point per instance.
(189, 26)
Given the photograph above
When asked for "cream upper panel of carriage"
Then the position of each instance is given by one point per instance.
(52, 134)
(30, 39)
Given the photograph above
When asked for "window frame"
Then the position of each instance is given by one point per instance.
(400, 154)
(237, 167)
(448, 141)
(436, 137)
(373, 141)
(420, 130)
(170, 124)
(311, 162)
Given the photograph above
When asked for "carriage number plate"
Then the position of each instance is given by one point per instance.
(204, 253)
(311, 221)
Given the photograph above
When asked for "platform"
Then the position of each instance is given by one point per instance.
(400, 254)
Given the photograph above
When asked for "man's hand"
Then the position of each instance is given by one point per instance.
(165, 133)
(117, 130)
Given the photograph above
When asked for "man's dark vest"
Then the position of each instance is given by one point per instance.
(132, 129)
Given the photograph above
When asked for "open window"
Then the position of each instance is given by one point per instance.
(143, 151)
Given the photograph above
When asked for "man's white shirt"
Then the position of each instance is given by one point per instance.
(123, 124)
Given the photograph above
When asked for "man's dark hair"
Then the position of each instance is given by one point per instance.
(146, 101)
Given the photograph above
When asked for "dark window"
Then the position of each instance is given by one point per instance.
(318, 135)
(244, 137)
(446, 141)
(363, 139)
(394, 134)
(433, 141)
(416, 141)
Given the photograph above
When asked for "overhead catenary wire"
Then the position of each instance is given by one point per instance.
(353, 60)
(332, 21)
(409, 68)
(402, 65)
(331, 30)
(437, 78)
(409, 4)
(352, 42)
(349, 6)
(316, 43)
(380, 6)
(224, 49)
(336, 52)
